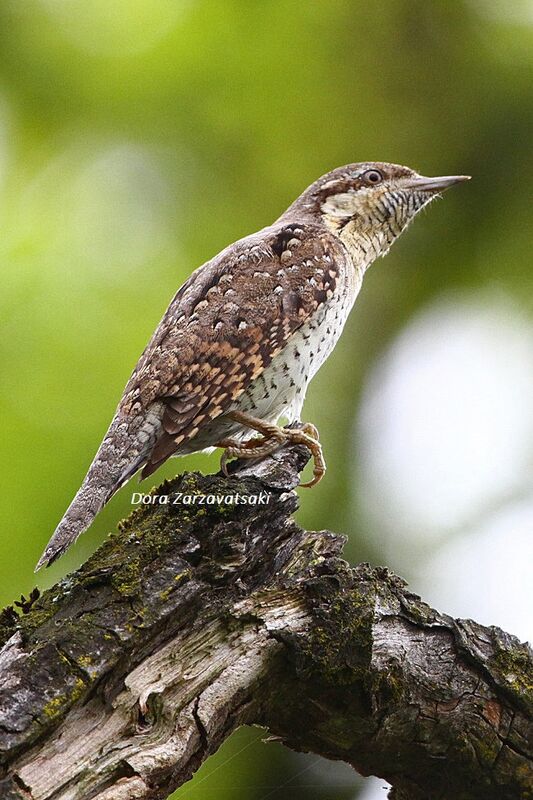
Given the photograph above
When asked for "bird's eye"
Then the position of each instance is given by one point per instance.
(372, 176)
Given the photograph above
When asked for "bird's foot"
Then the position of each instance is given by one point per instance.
(272, 437)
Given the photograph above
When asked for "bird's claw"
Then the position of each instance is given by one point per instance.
(273, 437)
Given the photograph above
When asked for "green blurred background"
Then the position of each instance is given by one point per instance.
(137, 139)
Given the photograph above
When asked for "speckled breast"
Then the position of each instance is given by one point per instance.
(280, 390)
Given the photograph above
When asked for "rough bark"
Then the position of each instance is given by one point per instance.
(194, 619)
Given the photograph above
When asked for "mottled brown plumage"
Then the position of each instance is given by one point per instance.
(225, 326)
(246, 332)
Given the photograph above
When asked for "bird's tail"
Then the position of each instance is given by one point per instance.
(120, 455)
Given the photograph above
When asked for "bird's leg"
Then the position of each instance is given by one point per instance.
(272, 437)
(258, 447)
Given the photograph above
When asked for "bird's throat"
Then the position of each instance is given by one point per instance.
(363, 243)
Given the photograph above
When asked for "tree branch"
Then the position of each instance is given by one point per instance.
(196, 618)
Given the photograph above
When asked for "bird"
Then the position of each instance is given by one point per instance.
(244, 335)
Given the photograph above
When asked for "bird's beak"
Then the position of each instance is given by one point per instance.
(423, 184)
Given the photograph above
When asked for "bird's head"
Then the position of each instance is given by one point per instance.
(368, 205)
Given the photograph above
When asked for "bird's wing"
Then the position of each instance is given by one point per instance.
(226, 324)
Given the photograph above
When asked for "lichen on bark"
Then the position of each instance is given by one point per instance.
(194, 619)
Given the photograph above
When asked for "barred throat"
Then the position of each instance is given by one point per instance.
(370, 235)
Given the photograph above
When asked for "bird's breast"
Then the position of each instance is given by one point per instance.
(280, 390)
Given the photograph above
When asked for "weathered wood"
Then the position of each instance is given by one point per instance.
(194, 619)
